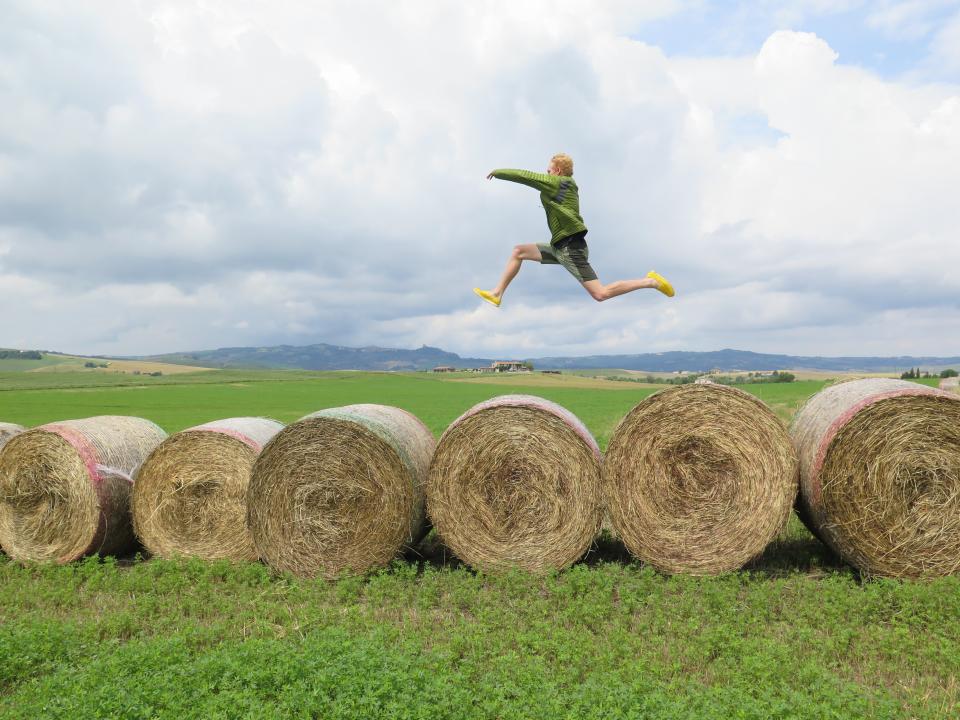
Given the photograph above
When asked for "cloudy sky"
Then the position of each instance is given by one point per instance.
(190, 175)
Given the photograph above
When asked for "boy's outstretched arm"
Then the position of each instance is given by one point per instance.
(539, 181)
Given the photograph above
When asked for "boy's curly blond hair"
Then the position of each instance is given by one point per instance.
(564, 163)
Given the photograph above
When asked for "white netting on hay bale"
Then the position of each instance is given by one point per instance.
(8, 430)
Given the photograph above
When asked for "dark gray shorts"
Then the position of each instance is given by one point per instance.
(572, 253)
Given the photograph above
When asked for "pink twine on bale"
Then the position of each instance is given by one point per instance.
(519, 400)
(97, 472)
(84, 449)
(246, 440)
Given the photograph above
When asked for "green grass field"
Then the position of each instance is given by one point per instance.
(179, 401)
(795, 635)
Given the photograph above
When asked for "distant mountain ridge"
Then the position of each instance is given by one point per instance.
(322, 356)
(741, 360)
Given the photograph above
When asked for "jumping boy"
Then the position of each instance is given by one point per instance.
(567, 246)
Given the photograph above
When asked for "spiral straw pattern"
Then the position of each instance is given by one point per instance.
(190, 495)
(515, 483)
(699, 479)
(340, 491)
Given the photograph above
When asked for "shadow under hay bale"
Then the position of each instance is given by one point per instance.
(190, 495)
(515, 483)
(880, 475)
(699, 479)
(65, 487)
(340, 491)
(8, 430)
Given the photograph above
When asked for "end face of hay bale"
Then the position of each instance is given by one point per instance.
(340, 491)
(880, 475)
(699, 478)
(515, 483)
(190, 495)
(65, 487)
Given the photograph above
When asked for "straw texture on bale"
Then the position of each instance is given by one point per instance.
(515, 483)
(340, 491)
(699, 479)
(65, 487)
(190, 495)
(8, 430)
(880, 475)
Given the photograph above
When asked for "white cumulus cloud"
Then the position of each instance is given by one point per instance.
(183, 175)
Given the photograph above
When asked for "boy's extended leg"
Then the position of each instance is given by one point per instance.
(519, 254)
(600, 292)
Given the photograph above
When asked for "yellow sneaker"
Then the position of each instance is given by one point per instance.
(664, 285)
(492, 299)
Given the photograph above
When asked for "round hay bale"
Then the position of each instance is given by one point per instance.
(65, 487)
(515, 483)
(190, 495)
(880, 475)
(340, 491)
(699, 479)
(8, 430)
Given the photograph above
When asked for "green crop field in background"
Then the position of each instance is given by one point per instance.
(179, 401)
(796, 634)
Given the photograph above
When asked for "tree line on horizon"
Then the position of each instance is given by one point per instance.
(914, 374)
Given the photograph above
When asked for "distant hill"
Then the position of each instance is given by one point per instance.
(321, 357)
(337, 357)
(742, 360)
(42, 361)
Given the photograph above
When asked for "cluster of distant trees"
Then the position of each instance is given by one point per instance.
(914, 374)
(777, 376)
(20, 355)
(91, 364)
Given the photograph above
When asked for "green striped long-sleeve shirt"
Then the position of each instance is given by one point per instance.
(560, 198)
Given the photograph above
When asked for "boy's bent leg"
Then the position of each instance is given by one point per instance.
(519, 254)
(600, 292)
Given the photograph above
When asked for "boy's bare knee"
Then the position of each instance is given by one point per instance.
(518, 252)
